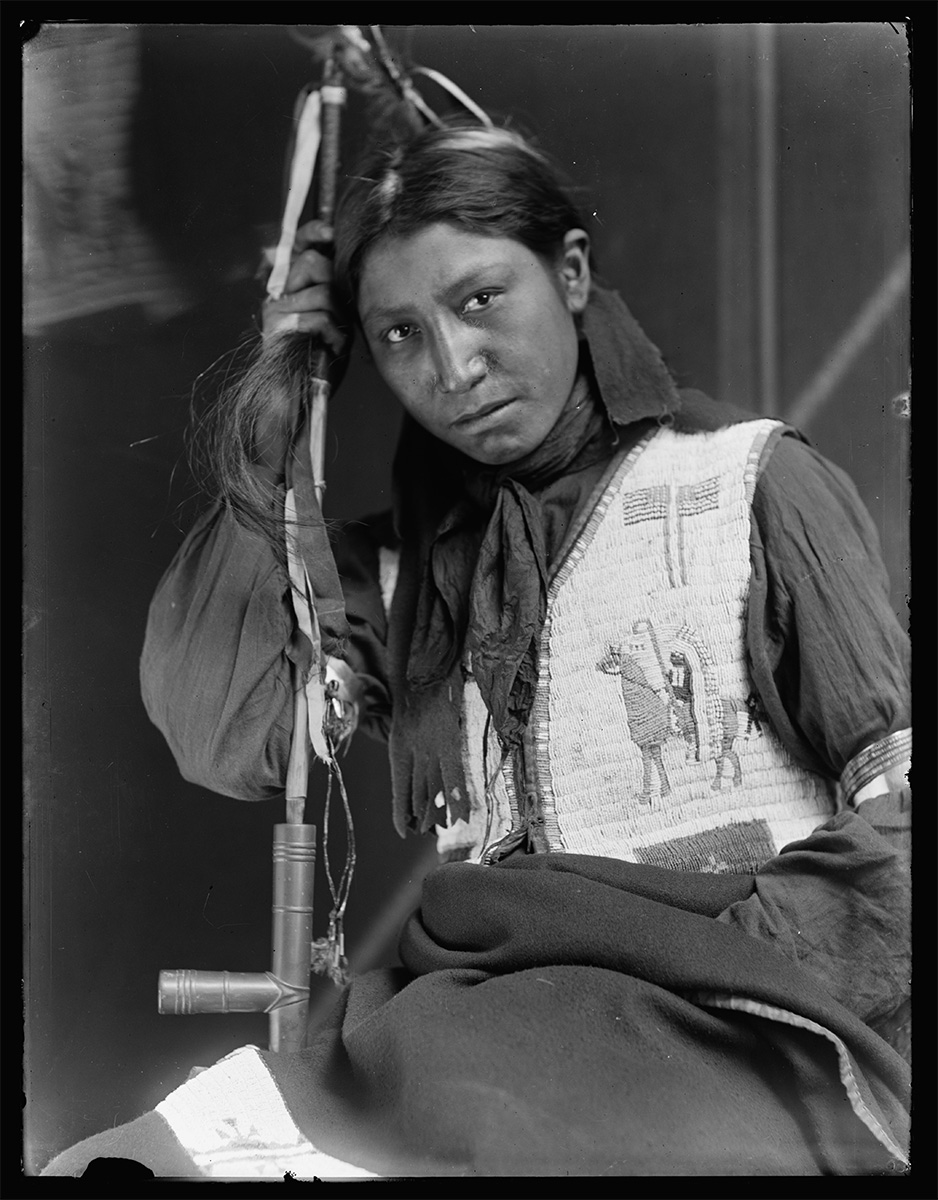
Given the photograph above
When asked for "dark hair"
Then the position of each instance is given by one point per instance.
(485, 180)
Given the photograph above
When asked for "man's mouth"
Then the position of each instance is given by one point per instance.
(479, 414)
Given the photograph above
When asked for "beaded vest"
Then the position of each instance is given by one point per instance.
(646, 742)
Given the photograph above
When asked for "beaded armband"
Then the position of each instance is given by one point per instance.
(878, 768)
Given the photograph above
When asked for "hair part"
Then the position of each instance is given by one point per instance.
(488, 181)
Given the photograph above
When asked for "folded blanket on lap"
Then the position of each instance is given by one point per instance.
(568, 1015)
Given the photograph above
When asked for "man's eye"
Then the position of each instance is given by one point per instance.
(398, 333)
(479, 300)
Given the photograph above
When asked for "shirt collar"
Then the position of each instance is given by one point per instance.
(630, 374)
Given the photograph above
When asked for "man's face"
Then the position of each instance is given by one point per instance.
(475, 335)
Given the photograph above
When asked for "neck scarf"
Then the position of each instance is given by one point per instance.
(484, 587)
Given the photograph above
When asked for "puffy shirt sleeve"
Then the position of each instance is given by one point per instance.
(831, 665)
(215, 674)
(829, 660)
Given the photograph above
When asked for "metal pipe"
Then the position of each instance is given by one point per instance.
(294, 854)
(283, 991)
(183, 993)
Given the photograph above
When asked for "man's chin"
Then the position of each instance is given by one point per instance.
(497, 459)
(500, 451)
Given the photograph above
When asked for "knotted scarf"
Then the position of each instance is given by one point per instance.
(485, 584)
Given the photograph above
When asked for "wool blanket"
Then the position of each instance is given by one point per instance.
(569, 1015)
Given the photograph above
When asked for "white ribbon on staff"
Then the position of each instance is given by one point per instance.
(308, 136)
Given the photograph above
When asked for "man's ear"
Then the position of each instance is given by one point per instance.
(574, 269)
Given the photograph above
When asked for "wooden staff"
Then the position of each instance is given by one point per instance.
(283, 991)
(332, 99)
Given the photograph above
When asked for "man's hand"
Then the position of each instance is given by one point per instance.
(307, 304)
(307, 307)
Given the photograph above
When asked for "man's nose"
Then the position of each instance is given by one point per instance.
(459, 360)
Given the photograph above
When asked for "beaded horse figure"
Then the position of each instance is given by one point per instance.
(654, 717)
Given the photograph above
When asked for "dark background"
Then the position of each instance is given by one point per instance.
(749, 190)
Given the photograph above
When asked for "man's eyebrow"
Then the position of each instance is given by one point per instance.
(474, 277)
(380, 315)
